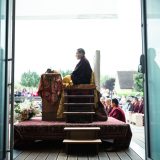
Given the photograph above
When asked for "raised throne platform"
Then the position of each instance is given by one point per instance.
(36, 129)
(79, 103)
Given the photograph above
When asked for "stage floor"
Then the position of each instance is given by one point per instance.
(36, 129)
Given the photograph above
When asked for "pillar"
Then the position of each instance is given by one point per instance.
(97, 69)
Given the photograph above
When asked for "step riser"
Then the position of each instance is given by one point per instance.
(79, 118)
(79, 104)
(78, 96)
(79, 100)
(79, 109)
(80, 135)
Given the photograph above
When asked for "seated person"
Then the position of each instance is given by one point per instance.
(130, 105)
(82, 72)
(102, 100)
(135, 105)
(108, 105)
(141, 106)
(117, 112)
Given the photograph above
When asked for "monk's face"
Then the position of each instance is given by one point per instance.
(79, 55)
(113, 104)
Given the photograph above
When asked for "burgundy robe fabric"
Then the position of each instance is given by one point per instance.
(135, 107)
(82, 72)
(118, 113)
(141, 108)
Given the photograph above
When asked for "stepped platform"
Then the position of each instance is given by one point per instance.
(35, 129)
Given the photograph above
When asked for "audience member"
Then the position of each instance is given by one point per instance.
(102, 100)
(135, 105)
(108, 105)
(117, 112)
(141, 106)
(130, 106)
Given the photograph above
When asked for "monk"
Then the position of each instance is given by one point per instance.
(117, 112)
(82, 74)
(83, 71)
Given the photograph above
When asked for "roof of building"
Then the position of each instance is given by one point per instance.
(125, 79)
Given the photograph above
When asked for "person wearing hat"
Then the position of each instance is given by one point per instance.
(117, 112)
(83, 71)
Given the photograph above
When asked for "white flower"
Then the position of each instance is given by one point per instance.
(26, 110)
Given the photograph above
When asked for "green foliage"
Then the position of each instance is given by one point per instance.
(18, 86)
(129, 93)
(30, 79)
(138, 82)
(64, 73)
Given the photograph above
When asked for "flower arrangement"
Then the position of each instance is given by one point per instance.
(26, 110)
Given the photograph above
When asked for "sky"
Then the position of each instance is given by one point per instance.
(44, 41)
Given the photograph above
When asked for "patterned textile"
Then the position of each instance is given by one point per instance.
(50, 87)
(36, 129)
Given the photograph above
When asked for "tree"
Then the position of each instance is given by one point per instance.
(138, 82)
(110, 84)
(30, 79)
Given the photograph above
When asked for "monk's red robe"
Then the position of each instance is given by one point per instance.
(118, 113)
(141, 108)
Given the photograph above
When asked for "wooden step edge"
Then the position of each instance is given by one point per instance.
(78, 96)
(78, 104)
(75, 141)
(81, 87)
(81, 128)
(79, 113)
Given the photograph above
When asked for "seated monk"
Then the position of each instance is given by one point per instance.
(82, 74)
(83, 71)
(117, 112)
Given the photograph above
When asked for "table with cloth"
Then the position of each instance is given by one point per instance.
(50, 89)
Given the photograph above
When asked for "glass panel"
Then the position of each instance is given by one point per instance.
(2, 78)
(153, 61)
